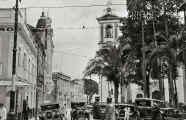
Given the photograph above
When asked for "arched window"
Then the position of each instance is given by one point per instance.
(109, 31)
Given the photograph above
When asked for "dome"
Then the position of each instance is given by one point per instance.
(44, 21)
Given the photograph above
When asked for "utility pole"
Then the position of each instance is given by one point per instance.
(12, 114)
(143, 58)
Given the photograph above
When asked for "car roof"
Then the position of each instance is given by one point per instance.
(124, 104)
(168, 108)
(144, 107)
(147, 99)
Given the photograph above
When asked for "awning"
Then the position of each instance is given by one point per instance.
(17, 83)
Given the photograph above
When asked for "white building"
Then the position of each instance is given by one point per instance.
(67, 91)
(26, 66)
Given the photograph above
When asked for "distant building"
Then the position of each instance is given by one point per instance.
(66, 90)
(62, 88)
(77, 91)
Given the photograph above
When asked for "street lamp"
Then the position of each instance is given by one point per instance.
(12, 114)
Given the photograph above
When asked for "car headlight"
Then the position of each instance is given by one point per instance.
(49, 115)
(56, 114)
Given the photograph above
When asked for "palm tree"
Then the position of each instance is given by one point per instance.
(108, 65)
(170, 50)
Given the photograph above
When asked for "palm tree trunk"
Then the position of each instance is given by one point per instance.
(171, 88)
(175, 94)
(161, 80)
(116, 87)
(143, 59)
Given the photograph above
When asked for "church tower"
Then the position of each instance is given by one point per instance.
(109, 32)
(109, 26)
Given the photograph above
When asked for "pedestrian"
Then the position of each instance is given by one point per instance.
(3, 113)
(68, 111)
(65, 112)
(156, 114)
(127, 114)
(109, 110)
(25, 110)
(96, 109)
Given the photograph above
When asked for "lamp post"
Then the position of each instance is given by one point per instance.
(12, 114)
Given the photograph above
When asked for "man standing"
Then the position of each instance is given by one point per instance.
(156, 114)
(3, 113)
(96, 109)
(109, 110)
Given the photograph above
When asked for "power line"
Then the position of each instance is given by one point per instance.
(80, 28)
(68, 53)
(73, 6)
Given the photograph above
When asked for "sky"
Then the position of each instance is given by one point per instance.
(74, 46)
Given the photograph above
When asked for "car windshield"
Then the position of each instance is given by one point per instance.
(143, 103)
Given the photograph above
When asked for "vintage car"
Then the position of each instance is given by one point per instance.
(171, 114)
(102, 110)
(50, 112)
(81, 111)
(121, 109)
(148, 102)
(144, 106)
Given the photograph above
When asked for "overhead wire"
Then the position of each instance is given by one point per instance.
(69, 53)
(73, 6)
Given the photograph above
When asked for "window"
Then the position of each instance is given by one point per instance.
(33, 69)
(24, 61)
(1, 68)
(109, 31)
(29, 66)
(19, 57)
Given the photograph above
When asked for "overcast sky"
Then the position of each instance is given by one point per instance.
(73, 46)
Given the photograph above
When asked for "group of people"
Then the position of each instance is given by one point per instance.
(24, 114)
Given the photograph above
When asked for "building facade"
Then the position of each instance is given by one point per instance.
(77, 91)
(33, 57)
(62, 91)
(43, 34)
(66, 90)
(26, 66)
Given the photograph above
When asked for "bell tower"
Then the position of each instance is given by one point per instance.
(109, 25)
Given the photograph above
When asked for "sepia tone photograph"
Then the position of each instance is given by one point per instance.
(92, 59)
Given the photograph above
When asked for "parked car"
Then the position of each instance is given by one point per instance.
(102, 110)
(121, 110)
(171, 114)
(50, 112)
(145, 105)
